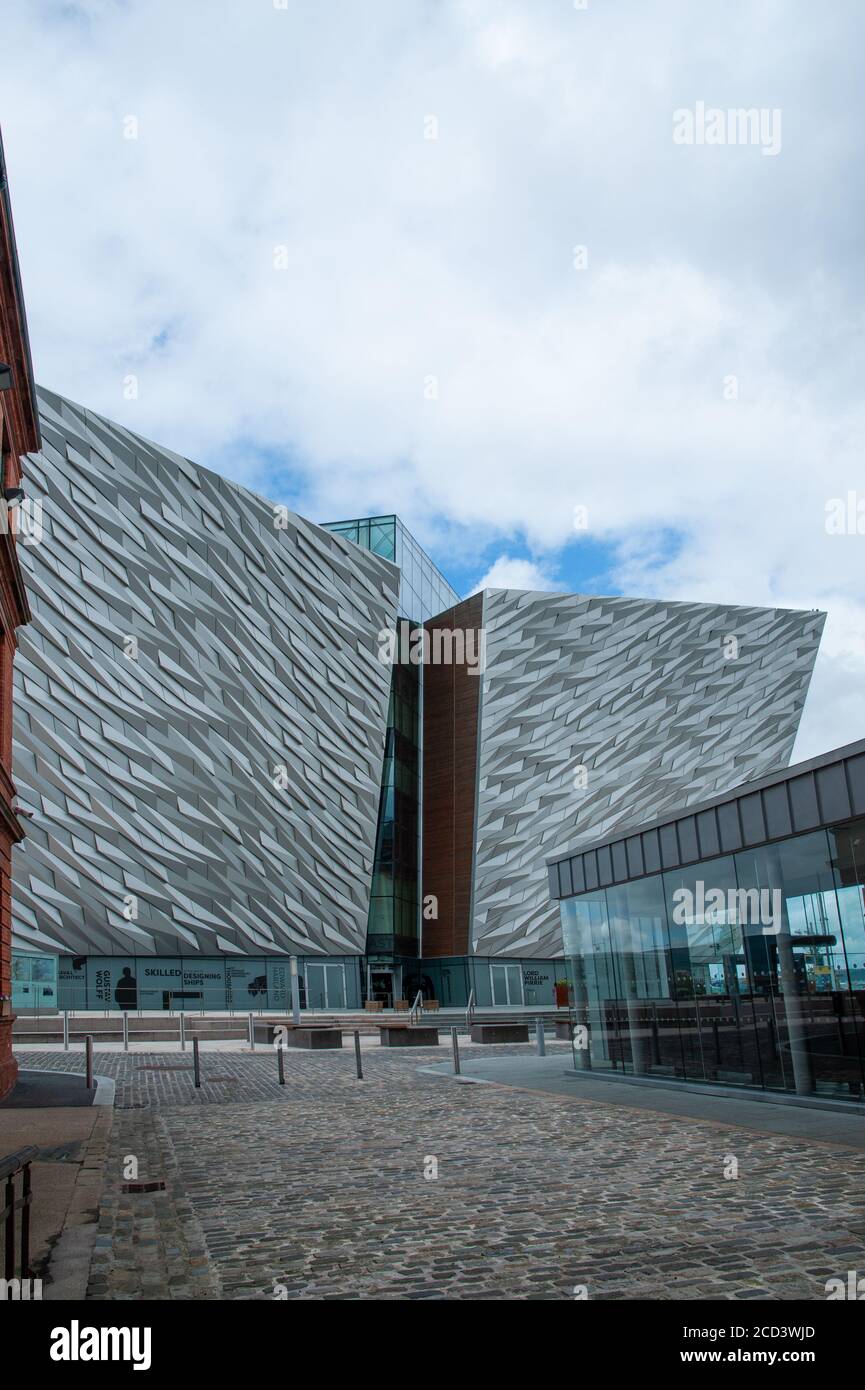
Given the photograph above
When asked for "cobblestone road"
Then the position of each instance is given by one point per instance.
(318, 1190)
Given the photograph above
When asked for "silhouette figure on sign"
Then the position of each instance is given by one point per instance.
(126, 993)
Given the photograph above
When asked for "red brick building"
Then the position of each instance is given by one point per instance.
(19, 434)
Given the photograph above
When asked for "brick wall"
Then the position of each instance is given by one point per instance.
(19, 435)
(450, 720)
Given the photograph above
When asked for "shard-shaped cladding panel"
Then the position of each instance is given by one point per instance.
(661, 704)
(200, 710)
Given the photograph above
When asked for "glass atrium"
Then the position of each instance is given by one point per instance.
(742, 969)
(424, 591)
(393, 922)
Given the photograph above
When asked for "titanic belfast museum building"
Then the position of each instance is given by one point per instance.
(243, 739)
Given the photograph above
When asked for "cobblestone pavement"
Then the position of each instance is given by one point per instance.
(317, 1190)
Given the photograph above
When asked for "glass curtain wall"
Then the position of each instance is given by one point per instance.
(392, 925)
(423, 590)
(393, 913)
(744, 970)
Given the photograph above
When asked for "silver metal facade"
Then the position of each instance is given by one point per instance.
(653, 699)
(188, 655)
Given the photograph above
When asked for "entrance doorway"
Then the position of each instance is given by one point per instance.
(384, 984)
(325, 986)
(507, 984)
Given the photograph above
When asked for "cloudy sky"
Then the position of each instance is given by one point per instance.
(446, 257)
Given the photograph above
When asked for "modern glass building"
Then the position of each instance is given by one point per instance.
(222, 774)
(727, 944)
(393, 928)
(423, 589)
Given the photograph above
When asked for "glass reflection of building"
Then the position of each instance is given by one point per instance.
(744, 968)
(394, 913)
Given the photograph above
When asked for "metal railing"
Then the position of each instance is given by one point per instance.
(10, 1167)
(416, 1009)
(470, 1010)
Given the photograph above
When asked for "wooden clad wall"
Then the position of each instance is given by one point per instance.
(450, 724)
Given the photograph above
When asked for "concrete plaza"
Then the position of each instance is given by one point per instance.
(412, 1184)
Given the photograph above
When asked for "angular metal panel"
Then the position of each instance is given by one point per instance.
(643, 695)
(832, 793)
(184, 649)
(776, 806)
(751, 817)
(803, 802)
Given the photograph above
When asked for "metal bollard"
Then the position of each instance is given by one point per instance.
(280, 1063)
(456, 1051)
(251, 1034)
(196, 1063)
(182, 1031)
(539, 1035)
(357, 1055)
(125, 1031)
(65, 1030)
(88, 1060)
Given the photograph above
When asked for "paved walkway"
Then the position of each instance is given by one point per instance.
(67, 1181)
(764, 1112)
(321, 1189)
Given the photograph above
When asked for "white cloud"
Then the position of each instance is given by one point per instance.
(510, 572)
(410, 259)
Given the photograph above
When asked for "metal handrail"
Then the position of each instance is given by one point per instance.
(470, 1010)
(12, 1163)
(10, 1166)
(417, 1007)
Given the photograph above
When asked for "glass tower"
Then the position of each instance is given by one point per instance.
(392, 927)
(424, 591)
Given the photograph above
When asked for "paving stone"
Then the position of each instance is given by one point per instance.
(319, 1187)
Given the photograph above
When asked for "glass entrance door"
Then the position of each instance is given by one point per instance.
(381, 987)
(325, 986)
(507, 983)
(34, 982)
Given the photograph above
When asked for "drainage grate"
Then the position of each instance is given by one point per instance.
(158, 1185)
